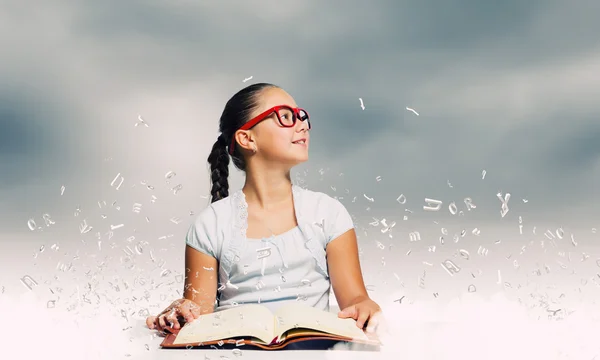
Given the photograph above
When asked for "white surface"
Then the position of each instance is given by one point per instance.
(173, 354)
(468, 328)
(250, 355)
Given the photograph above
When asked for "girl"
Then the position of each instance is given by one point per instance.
(271, 242)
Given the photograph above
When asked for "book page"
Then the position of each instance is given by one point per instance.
(251, 320)
(297, 315)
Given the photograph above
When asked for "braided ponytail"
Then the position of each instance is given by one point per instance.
(237, 112)
(219, 170)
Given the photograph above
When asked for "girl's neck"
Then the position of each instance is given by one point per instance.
(268, 190)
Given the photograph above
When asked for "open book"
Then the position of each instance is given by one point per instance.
(256, 325)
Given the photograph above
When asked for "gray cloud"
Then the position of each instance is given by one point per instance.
(493, 84)
(31, 144)
(578, 147)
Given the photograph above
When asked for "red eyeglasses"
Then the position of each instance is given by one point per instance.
(286, 115)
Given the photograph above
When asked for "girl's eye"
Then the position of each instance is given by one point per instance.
(287, 117)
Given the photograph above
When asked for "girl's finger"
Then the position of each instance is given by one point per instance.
(196, 311)
(363, 316)
(162, 323)
(186, 312)
(150, 322)
(349, 312)
(372, 323)
(172, 319)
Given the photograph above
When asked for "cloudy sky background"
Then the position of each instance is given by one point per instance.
(508, 87)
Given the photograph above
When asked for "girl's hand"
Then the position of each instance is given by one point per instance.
(169, 317)
(366, 313)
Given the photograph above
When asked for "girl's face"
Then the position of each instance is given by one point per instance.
(274, 142)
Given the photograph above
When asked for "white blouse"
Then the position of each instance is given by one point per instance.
(271, 271)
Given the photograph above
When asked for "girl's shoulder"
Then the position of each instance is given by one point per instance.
(320, 209)
(220, 211)
(313, 197)
(317, 202)
(213, 224)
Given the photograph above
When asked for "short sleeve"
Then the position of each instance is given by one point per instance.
(339, 222)
(202, 234)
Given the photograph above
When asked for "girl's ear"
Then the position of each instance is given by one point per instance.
(244, 139)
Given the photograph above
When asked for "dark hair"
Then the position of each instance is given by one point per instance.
(236, 113)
